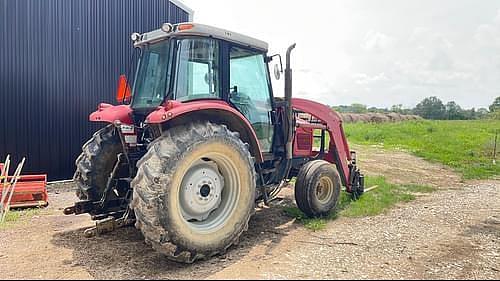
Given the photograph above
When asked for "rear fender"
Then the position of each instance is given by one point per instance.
(110, 114)
(175, 113)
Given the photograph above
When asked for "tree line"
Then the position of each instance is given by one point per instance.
(430, 108)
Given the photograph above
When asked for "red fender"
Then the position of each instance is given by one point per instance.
(338, 141)
(174, 109)
(110, 113)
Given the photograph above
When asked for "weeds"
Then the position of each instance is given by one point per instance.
(18, 216)
(466, 146)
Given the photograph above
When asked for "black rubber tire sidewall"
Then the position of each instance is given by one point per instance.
(153, 192)
(95, 163)
(305, 188)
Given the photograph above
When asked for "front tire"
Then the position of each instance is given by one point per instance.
(318, 187)
(194, 192)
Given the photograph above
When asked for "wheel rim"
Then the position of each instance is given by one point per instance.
(209, 193)
(324, 190)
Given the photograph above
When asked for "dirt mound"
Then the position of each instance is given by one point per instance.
(356, 118)
(377, 117)
(394, 117)
(364, 118)
(347, 118)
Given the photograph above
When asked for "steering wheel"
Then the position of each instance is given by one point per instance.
(244, 104)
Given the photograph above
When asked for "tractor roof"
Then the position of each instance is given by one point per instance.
(199, 30)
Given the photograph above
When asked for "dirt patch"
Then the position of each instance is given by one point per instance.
(123, 254)
(452, 233)
(403, 168)
(27, 251)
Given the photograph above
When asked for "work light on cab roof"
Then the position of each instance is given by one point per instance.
(167, 27)
(135, 37)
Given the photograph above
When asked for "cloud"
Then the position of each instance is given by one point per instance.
(488, 35)
(359, 51)
(426, 38)
(441, 61)
(418, 34)
(377, 41)
(363, 79)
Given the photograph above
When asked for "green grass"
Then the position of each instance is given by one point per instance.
(372, 203)
(18, 216)
(466, 146)
(314, 224)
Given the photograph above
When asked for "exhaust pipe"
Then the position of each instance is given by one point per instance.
(288, 99)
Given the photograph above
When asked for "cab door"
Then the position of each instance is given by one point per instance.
(250, 92)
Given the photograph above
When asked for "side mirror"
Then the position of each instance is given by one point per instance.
(123, 92)
(277, 72)
(278, 68)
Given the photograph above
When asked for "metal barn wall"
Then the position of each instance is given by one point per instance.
(58, 60)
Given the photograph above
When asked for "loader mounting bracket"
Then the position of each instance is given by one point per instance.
(358, 185)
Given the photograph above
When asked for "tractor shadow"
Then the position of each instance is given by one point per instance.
(124, 254)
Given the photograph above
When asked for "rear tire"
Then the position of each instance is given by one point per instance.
(318, 187)
(177, 187)
(95, 164)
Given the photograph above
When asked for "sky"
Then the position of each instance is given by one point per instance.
(377, 53)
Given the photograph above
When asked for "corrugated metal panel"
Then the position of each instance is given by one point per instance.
(58, 60)
(178, 13)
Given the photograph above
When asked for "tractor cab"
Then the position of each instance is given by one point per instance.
(193, 62)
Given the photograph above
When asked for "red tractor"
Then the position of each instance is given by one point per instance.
(199, 139)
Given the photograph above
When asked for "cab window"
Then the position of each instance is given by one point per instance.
(197, 69)
(249, 92)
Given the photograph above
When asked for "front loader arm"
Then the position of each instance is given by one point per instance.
(338, 152)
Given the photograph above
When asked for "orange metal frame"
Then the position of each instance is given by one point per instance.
(31, 191)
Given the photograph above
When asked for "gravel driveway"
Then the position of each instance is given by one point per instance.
(452, 233)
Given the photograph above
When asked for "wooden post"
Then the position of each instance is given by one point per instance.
(495, 148)
(12, 189)
(3, 177)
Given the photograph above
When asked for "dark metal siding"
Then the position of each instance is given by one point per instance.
(58, 60)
